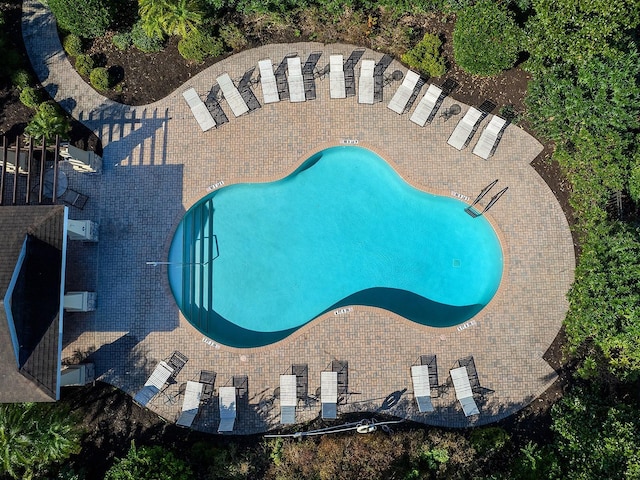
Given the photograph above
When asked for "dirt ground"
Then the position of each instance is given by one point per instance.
(109, 416)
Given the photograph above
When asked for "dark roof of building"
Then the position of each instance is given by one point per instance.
(35, 302)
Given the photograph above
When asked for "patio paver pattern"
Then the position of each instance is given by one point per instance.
(158, 162)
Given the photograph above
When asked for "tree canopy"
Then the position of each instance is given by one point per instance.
(571, 31)
(33, 437)
(596, 438)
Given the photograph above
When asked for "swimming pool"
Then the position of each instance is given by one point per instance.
(252, 263)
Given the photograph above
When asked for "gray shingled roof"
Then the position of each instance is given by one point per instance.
(35, 302)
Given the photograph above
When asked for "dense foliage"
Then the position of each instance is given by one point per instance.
(72, 44)
(48, 122)
(196, 46)
(99, 78)
(605, 300)
(149, 463)
(571, 31)
(170, 17)
(486, 39)
(426, 56)
(30, 97)
(143, 42)
(84, 64)
(34, 437)
(592, 111)
(596, 437)
(585, 96)
(84, 18)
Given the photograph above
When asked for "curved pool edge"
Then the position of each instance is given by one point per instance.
(293, 333)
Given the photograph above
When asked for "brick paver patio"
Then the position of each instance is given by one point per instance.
(157, 163)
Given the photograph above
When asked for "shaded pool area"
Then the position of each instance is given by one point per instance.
(252, 263)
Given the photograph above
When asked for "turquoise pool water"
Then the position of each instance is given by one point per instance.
(251, 263)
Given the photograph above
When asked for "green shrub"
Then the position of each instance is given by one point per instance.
(486, 39)
(233, 37)
(72, 45)
(434, 457)
(84, 65)
(535, 462)
(197, 46)
(143, 42)
(84, 18)
(149, 463)
(122, 40)
(30, 97)
(425, 56)
(20, 79)
(489, 439)
(99, 78)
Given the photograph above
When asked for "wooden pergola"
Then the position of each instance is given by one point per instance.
(28, 174)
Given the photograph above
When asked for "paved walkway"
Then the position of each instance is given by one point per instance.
(157, 163)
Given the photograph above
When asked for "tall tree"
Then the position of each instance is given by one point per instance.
(34, 437)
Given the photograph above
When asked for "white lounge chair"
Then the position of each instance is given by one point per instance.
(199, 109)
(466, 128)
(421, 388)
(295, 80)
(329, 394)
(154, 384)
(489, 137)
(191, 404)
(426, 106)
(288, 399)
(336, 77)
(464, 394)
(366, 82)
(399, 100)
(232, 95)
(268, 82)
(227, 403)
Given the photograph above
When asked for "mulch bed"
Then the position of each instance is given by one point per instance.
(109, 415)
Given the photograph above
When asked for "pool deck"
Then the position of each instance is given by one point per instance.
(157, 163)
